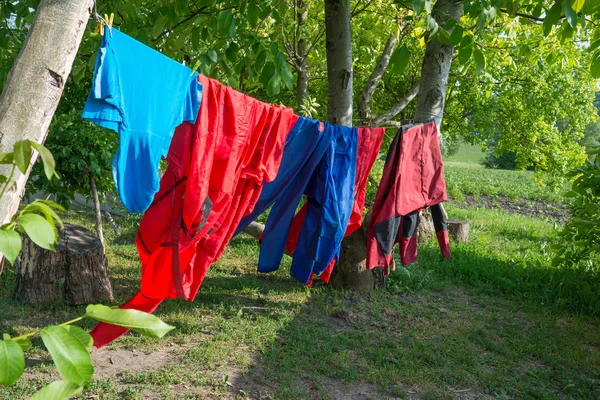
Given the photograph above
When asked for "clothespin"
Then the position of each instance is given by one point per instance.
(108, 21)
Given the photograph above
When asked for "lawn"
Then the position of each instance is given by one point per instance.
(497, 321)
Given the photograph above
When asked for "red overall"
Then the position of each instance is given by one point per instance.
(369, 142)
(413, 179)
(216, 171)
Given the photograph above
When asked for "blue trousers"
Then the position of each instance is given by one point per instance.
(322, 165)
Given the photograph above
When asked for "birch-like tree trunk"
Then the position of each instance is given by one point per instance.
(436, 67)
(36, 82)
(338, 40)
(351, 270)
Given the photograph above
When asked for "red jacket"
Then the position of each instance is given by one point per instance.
(413, 179)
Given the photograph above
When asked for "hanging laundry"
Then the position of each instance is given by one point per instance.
(413, 179)
(143, 96)
(369, 143)
(320, 163)
(216, 170)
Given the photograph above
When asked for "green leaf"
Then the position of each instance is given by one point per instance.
(12, 362)
(70, 356)
(22, 155)
(159, 26)
(444, 37)
(47, 159)
(418, 6)
(253, 13)
(480, 61)
(465, 50)
(50, 215)
(6, 158)
(225, 22)
(552, 17)
(287, 76)
(38, 230)
(84, 337)
(10, 244)
(274, 85)
(137, 321)
(58, 390)
(577, 5)
(570, 14)
(24, 343)
(399, 60)
(595, 67)
(212, 55)
(456, 35)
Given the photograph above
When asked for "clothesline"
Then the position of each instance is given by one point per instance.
(231, 157)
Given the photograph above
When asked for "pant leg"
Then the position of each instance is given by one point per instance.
(330, 197)
(441, 229)
(282, 214)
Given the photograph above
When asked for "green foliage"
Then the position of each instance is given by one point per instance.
(58, 390)
(70, 356)
(137, 321)
(580, 242)
(12, 362)
(68, 344)
(38, 219)
(529, 101)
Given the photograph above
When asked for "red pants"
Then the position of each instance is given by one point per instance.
(217, 168)
(369, 142)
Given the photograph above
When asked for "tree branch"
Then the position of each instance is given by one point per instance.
(387, 116)
(378, 72)
(315, 40)
(199, 11)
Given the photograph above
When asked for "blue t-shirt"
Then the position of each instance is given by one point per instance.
(142, 95)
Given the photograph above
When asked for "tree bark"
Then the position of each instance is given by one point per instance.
(436, 66)
(387, 117)
(351, 269)
(77, 271)
(364, 103)
(338, 39)
(98, 212)
(36, 82)
(302, 55)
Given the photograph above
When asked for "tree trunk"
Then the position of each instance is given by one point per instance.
(458, 230)
(36, 81)
(302, 55)
(77, 271)
(351, 269)
(364, 103)
(436, 67)
(338, 39)
(98, 212)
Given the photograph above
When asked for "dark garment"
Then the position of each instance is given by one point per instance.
(413, 179)
(320, 163)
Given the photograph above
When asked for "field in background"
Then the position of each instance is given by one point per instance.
(467, 154)
(497, 321)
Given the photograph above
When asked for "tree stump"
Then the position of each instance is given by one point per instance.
(77, 271)
(458, 230)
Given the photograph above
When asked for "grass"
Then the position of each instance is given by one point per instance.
(495, 321)
(467, 154)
